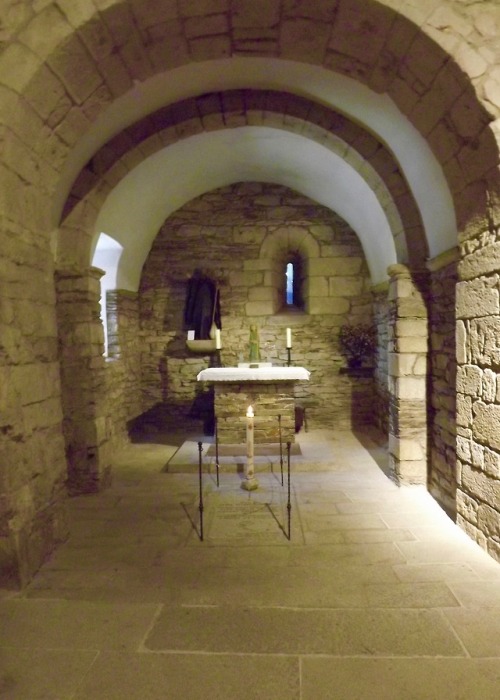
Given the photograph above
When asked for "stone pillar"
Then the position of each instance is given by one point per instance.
(81, 341)
(408, 342)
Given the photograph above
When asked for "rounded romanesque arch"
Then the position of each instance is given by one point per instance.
(90, 58)
(90, 90)
(366, 156)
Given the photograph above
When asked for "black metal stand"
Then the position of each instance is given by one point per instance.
(217, 452)
(200, 476)
(288, 534)
(289, 504)
(281, 448)
(289, 361)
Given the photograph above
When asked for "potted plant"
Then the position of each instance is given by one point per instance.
(358, 343)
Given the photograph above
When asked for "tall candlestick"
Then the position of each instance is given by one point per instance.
(218, 344)
(289, 337)
(250, 449)
(250, 483)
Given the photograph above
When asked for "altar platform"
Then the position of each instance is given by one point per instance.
(270, 390)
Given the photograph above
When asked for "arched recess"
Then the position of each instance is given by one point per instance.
(446, 141)
(234, 232)
(63, 65)
(361, 151)
(224, 157)
(347, 109)
(398, 44)
(296, 245)
(464, 144)
(106, 257)
(193, 121)
(351, 177)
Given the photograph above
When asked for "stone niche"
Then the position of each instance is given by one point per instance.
(241, 236)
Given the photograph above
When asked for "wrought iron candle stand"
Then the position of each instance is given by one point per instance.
(216, 451)
(281, 448)
(200, 479)
(289, 504)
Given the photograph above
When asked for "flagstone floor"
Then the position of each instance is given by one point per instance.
(373, 593)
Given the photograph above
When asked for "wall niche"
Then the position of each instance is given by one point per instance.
(242, 236)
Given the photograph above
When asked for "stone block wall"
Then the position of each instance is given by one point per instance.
(478, 389)
(224, 233)
(125, 352)
(118, 408)
(178, 373)
(442, 381)
(32, 456)
(268, 402)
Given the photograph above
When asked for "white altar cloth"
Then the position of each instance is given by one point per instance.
(253, 374)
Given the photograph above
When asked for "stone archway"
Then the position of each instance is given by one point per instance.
(64, 65)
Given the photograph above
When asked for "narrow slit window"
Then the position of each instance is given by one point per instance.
(289, 283)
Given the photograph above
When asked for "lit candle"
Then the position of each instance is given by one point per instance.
(250, 450)
(249, 483)
(289, 337)
(217, 339)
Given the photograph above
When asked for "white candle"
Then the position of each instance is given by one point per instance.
(289, 337)
(190, 335)
(217, 339)
(250, 450)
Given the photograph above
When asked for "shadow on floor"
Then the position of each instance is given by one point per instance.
(375, 443)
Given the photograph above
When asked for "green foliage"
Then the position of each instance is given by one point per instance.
(358, 340)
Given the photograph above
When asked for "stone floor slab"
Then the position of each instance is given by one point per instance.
(191, 677)
(345, 587)
(479, 630)
(346, 553)
(481, 594)
(343, 522)
(401, 679)
(449, 572)
(440, 550)
(62, 624)
(42, 674)
(291, 631)
(384, 535)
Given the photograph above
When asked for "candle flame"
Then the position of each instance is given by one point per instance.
(250, 412)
